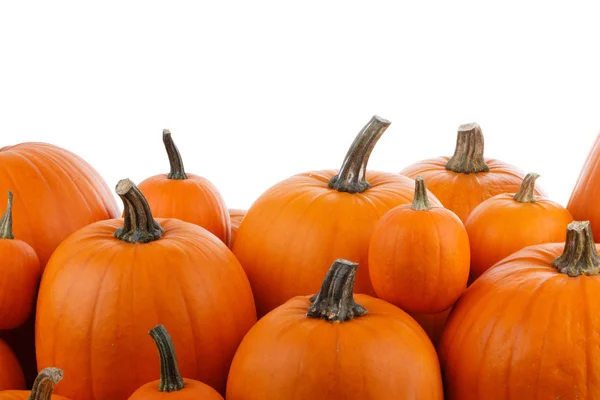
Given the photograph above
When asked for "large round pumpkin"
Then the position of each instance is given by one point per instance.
(528, 327)
(191, 198)
(56, 193)
(298, 227)
(19, 274)
(109, 283)
(42, 389)
(11, 376)
(467, 178)
(333, 347)
(508, 222)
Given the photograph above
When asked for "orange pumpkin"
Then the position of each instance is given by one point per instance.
(186, 196)
(419, 256)
(507, 222)
(236, 217)
(109, 283)
(331, 347)
(467, 178)
(171, 384)
(433, 324)
(582, 203)
(11, 374)
(528, 328)
(56, 193)
(19, 274)
(42, 389)
(297, 228)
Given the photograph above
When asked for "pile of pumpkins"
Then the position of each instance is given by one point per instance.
(456, 278)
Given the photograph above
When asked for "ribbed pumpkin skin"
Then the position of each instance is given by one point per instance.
(19, 278)
(461, 193)
(194, 200)
(524, 331)
(11, 376)
(193, 390)
(100, 296)
(383, 354)
(56, 193)
(584, 197)
(297, 228)
(24, 395)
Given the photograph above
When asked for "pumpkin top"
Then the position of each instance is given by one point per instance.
(43, 386)
(138, 225)
(177, 169)
(580, 256)
(6, 220)
(421, 200)
(468, 154)
(526, 193)
(335, 300)
(351, 177)
(170, 378)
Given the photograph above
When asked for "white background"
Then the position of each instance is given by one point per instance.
(256, 91)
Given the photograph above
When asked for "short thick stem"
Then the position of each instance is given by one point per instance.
(139, 226)
(579, 256)
(177, 169)
(468, 155)
(43, 386)
(6, 220)
(526, 193)
(335, 300)
(351, 177)
(420, 200)
(170, 378)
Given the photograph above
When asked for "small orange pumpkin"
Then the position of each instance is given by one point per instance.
(508, 222)
(236, 217)
(467, 178)
(11, 374)
(188, 197)
(42, 389)
(328, 347)
(171, 384)
(19, 274)
(419, 256)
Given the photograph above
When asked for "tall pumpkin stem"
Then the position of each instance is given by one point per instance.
(6, 220)
(138, 226)
(468, 154)
(420, 200)
(351, 177)
(177, 170)
(335, 300)
(526, 193)
(580, 256)
(170, 378)
(43, 386)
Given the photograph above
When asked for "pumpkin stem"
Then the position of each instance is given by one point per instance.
(43, 386)
(177, 170)
(335, 300)
(468, 154)
(6, 220)
(170, 378)
(138, 226)
(351, 177)
(420, 200)
(580, 256)
(526, 193)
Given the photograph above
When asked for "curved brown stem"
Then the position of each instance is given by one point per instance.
(170, 378)
(526, 193)
(420, 200)
(580, 256)
(6, 220)
(177, 170)
(351, 177)
(468, 154)
(335, 300)
(43, 386)
(139, 226)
